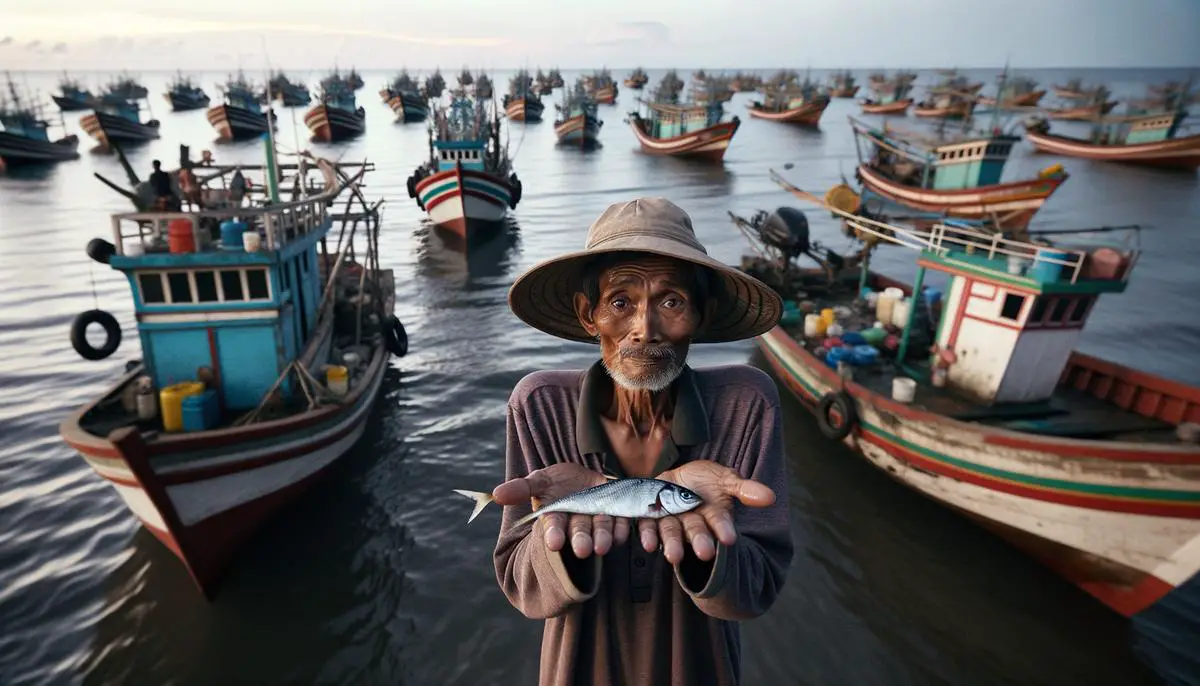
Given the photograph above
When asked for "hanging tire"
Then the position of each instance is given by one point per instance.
(847, 412)
(396, 337)
(412, 186)
(112, 334)
(101, 250)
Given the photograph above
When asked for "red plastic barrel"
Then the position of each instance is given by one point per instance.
(179, 236)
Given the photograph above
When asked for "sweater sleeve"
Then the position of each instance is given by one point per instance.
(743, 580)
(539, 582)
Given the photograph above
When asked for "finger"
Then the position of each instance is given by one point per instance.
(621, 530)
(695, 527)
(648, 533)
(720, 522)
(749, 492)
(519, 491)
(602, 533)
(671, 533)
(580, 527)
(554, 527)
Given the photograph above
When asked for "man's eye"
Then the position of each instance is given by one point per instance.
(619, 303)
(672, 303)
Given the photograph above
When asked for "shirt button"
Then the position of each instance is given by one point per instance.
(639, 562)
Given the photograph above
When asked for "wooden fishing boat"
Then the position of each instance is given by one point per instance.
(945, 107)
(73, 97)
(1075, 90)
(555, 78)
(521, 103)
(468, 185)
(184, 95)
(979, 400)
(337, 117)
(289, 93)
(435, 85)
(405, 98)
(1082, 112)
(792, 103)
(241, 115)
(118, 119)
(958, 177)
(712, 89)
(578, 123)
(1150, 140)
(890, 95)
(483, 86)
(637, 80)
(745, 83)
(894, 107)
(1017, 91)
(25, 137)
(262, 358)
(465, 78)
(682, 130)
(601, 87)
(842, 84)
(128, 88)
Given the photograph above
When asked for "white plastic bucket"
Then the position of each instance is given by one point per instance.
(251, 241)
(904, 389)
(900, 312)
(812, 325)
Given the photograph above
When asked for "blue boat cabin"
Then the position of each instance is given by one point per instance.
(1135, 130)
(245, 316)
(934, 164)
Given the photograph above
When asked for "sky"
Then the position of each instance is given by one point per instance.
(164, 35)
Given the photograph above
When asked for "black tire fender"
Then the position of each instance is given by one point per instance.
(101, 250)
(846, 409)
(112, 333)
(395, 337)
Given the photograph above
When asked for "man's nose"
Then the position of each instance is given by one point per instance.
(646, 325)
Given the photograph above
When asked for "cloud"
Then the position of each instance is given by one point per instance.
(7, 40)
(631, 33)
(59, 48)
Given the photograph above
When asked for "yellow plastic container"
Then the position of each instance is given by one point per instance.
(337, 377)
(843, 198)
(170, 400)
(828, 316)
(1051, 171)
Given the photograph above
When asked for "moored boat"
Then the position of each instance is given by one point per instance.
(555, 78)
(435, 85)
(1015, 91)
(127, 87)
(958, 177)
(289, 93)
(637, 79)
(684, 129)
(978, 399)
(337, 116)
(405, 98)
(118, 119)
(842, 84)
(262, 358)
(468, 185)
(465, 78)
(601, 87)
(1148, 140)
(240, 116)
(521, 103)
(891, 95)
(785, 100)
(1075, 90)
(578, 123)
(483, 86)
(353, 80)
(73, 97)
(24, 135)
(184, 94)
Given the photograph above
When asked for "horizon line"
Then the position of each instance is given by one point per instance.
(621, 68)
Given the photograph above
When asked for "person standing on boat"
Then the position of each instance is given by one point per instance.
(650, 601)
(164, 194)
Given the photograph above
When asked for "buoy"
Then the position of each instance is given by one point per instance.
(112, 333)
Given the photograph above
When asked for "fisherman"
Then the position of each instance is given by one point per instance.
(160, 183)
(653, 601)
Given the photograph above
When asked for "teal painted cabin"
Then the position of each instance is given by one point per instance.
(954, 164)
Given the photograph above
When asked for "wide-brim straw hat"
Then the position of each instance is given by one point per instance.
(544, 296)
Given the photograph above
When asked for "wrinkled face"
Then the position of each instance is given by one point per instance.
(645, 317)
(677, 500)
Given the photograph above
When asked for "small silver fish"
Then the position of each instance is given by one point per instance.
(634, 498)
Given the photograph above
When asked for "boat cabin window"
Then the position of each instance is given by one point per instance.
(191, 286)
(256, 284)
(231, 284)
(1059, 311)
(152, 288)
(206, 287)
(180, 287)
(1011, 310)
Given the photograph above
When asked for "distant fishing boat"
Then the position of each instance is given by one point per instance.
(1017, 91)
(263, 352)
(118, 119)
(555, 78)
(1075, 90)
(957, 176)
(745, 83)
(241, 115)
(682, 129)
(521, 103)
(127, 87)
(954, 98)
(337, 116)
(289, 93)
(1148, 140)
(578, 123)
(465, 78)
(353, 80)
(183, 94)
(637, 79)
(404, 96)
(789, 102)
(483, 86)
(842, 84)
(712, 89)
(74, 97)
(1084, 109)
(977, 397)
(891, 95)
(24, 135)
(601, 87)
(468, 185)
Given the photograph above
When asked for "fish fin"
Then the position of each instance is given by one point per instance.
(528, 518)
(481, 501)
(610, 477)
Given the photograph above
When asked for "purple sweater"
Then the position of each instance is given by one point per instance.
(630, 618)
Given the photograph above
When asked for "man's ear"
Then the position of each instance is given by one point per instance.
(583, 310)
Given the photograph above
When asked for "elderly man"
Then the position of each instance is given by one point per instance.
(651, 601)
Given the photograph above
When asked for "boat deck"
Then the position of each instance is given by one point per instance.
(1069, 413)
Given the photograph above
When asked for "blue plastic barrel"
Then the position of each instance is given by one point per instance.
(837, 354)
(932, 296)
(1047, 272)
(865, 354)
(231, 233)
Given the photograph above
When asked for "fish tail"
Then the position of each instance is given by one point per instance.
(481, 501)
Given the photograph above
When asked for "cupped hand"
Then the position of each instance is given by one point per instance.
(719, 487)
(588, 533)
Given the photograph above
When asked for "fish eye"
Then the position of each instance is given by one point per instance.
(687, 495)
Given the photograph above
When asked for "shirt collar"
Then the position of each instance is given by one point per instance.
(689, 424)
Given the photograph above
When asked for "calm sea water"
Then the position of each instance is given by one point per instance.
(375, 578)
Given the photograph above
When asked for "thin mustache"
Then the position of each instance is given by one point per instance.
(654, 352)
